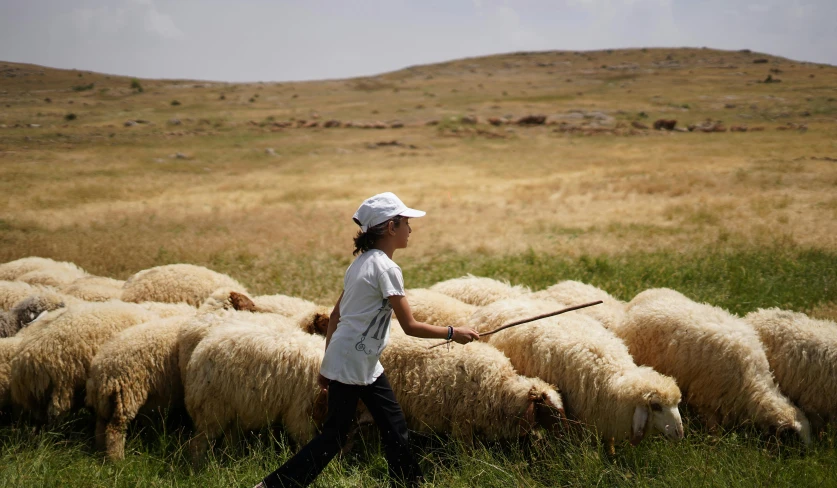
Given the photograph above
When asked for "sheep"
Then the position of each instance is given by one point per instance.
(600, 383)
(478, 291)
(254, 375)
(437, 308)
(610, 313)
(12, 292)
(95, 289)
(309, 316)
(52, 365)
(716, 358)
(57, 276)
(136, 370)
(802, 352)
(467, 391)
(15, 270)
(9, 346)
(27, 311)
(175, 283)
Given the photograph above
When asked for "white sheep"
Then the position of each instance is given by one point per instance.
(716, 358)
(253, 376)
(9, 347)
(802, 353)
(52, 365)
(477, 290)
(136, 370)
(38, 271)
(176, 283)
(309, 316)
(433, 307)
(94, 289)
(610, 313)
(600, 383)
(466, 391)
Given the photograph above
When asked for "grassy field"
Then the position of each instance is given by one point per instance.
(741, 220)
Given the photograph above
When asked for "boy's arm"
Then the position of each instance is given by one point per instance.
(412, 327)
(333, 320)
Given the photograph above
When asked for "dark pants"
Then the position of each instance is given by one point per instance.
(306, 465)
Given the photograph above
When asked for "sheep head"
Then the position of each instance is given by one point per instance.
(33, 307)
(799, 427)
(654, 415)
(240, 301)
(545, 409)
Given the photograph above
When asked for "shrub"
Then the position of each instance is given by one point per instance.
(175, 103)
(83, 87)
(70, 116)
(135, 85)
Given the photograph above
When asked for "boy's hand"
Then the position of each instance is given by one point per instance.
(323, 382)
(464, 335)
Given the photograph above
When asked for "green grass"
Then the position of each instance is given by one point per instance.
(740, 280)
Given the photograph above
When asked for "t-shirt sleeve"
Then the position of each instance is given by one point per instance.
(391, 282)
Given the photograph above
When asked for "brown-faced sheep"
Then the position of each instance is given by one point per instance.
(610, 313)
(176, 283)
(52, 365)
(309, 316)
(802, 352)
(600, 383)
(716, 358)
(477, 290)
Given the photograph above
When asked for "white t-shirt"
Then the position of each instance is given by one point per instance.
(365, 313)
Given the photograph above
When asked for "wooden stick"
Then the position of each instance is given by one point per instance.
(532, 319)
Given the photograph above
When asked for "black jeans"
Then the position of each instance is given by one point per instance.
(306, 465)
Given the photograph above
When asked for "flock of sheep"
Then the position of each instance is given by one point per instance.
(186, 336)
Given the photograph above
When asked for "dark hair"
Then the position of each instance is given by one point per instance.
(365, 240)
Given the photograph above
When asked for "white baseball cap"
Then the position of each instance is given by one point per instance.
(380, 208)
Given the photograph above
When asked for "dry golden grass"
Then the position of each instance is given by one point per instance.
(114, 200)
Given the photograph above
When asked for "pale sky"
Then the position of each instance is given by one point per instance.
(284, 40)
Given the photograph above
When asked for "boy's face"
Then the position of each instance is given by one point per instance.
(401, 234)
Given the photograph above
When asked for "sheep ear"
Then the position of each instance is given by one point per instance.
(638, 424)
(240, 301)
(321, 324)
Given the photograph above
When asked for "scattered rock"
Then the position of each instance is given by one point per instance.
(130, 123)
(661, 124)
(639, 125)
(34, 126)
(270, 151)
(469, 119)
(532, 120)
(396, 125)
(179, 156)
(328, 124)
(174, 122)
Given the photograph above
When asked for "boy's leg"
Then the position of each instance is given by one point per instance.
(306, 465)
(380, 400)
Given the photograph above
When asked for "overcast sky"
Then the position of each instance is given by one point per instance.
(281, 40)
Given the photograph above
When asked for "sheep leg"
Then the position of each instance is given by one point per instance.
(115, 440)
(198, 445)
(101, 426)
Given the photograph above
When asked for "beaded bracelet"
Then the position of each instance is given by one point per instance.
(450, 332)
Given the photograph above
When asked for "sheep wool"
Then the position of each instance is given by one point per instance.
(136, 370)
(601, 385)
(95, 289)
(478, 291)
(802, 353)
(308, 316)
(12, 292)
(15, 270)
(436, 308)
(255, 376)
(610, 313)
(717, 359)
(27, 311)
(176, 283)
(52, 365)
(9, 347)
(467, 391)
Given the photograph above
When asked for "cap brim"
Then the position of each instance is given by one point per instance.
(413, 213)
